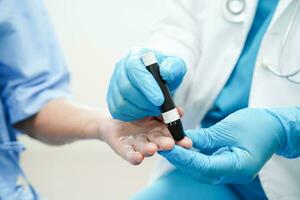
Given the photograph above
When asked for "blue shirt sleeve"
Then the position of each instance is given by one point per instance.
(32, 67)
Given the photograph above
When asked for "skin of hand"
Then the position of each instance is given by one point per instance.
(235, 149)
(133, 92)
(62, 121)
(142, 138)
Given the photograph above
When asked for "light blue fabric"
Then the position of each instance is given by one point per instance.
(235, 94)
(32, 72)
(233, 97)
(179, 186)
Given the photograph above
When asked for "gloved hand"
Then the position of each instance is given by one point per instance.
(133, 92)
(136, 140)
(235, 149)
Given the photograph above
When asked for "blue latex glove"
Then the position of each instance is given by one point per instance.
(235, 149)
(133, 92)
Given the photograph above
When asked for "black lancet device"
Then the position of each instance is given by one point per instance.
(168, 108)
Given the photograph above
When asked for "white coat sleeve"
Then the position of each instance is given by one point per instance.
(178, 32)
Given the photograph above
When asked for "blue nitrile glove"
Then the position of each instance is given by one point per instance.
(235, 149)
(133, 92)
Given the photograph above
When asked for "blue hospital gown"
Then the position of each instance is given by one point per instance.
(32, 72)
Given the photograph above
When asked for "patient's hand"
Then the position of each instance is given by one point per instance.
(143, 138)
(62, 121)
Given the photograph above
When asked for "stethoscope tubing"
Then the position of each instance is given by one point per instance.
(283, 44)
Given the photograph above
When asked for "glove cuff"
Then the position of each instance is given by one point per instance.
(289, 118)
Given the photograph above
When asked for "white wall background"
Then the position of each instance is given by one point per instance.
(94, 34)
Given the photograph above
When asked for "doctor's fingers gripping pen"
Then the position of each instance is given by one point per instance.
(168, 108)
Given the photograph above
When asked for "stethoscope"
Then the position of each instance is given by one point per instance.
(234, 11)
(276, 70)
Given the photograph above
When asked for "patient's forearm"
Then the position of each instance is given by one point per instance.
(62, 121)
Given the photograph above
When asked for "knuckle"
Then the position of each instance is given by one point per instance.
(121, 105)
(125, 89)
(133, 70)
(132, 63)
(129, 64)
(120, 65)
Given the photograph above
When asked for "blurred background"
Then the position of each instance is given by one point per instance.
(94, 34)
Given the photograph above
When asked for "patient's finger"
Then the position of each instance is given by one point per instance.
(126, 151)
(141, 144)
(180, 111)
(185, 142)
(163, 142)
(134, 157)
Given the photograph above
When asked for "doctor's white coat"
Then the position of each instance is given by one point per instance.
(210, 39)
